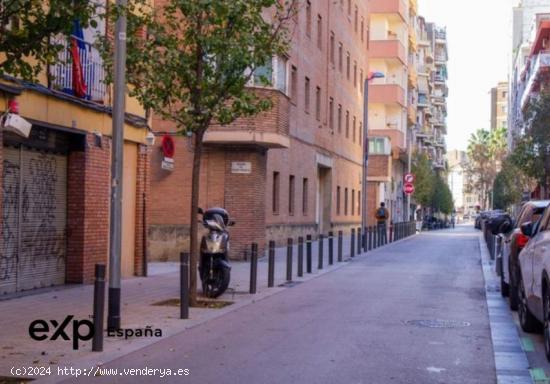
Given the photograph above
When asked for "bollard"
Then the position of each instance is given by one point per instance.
(300, 256)
(271, 265)
(321, 252)
(308, 254)
(391, 232)
(184, 285)
(99, 307)
(289, 260)
(359, 236)
(374, 239)
(340, 245)
(369, 240)
(352, 245)
(253, 268)
(330, 248)
(365, 239)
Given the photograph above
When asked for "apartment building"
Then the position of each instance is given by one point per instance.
(56, 183)
(530, 61)
(292, 171)
(432, 93)
(465, 202)
(499, 106)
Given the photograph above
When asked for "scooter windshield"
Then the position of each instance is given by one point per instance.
(216, 223)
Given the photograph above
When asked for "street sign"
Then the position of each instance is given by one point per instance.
(408, 188)
(409, 178)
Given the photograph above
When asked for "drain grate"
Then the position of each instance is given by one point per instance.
(438, 323)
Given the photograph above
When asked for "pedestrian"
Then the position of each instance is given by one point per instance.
(453, 219)
(381, 219)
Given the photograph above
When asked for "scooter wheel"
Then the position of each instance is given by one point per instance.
(218, 284)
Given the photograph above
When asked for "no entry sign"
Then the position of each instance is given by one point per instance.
(408, 188)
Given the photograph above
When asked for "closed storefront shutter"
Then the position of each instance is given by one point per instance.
(35, 221)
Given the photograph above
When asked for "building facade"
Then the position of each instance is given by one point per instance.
(499, 106)
(465, 202)
(55, 182)
(292, 171)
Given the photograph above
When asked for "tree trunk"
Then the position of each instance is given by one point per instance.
(193, 234)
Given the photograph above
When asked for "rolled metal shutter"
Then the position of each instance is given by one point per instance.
(43, 220)
(11, 181)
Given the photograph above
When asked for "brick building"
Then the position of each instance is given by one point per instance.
(291, 171)
(56, 183)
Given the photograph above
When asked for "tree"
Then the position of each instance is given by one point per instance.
(442, 197)
(193, 65)
(424, 174)
(27, 28)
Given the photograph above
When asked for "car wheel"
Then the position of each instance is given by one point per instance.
(504, 287)
(527, 321)
(546, 325)
(513, 291)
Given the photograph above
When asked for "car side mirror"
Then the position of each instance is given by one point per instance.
(231, 223)
(527, 229)
(200, 211)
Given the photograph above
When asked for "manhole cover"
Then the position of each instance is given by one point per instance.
(438, 323)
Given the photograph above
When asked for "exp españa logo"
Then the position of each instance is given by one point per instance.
(77, 330)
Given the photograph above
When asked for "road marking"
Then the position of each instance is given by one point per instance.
(435, 369)
(527, 344)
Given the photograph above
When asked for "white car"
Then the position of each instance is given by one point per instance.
(534, 284)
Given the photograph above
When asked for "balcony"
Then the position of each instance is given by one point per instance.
(269, 129)
(61, 74)
(423, 100)
(441, 36)
(413, 77)
(387, 94)
(413, 7)
(396, 7)
(411, 115)
(412, 38)
(388, 50)
(539, 72)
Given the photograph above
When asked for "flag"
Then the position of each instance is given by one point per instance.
(79, 86)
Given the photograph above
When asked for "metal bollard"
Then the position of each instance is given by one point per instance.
(340, 246)
(321, 252)
(391, 233)
(352, 245)
(365, 239)
(184, 285)
(308, 254)
(99, 307)
(369, 240)
(300, 256)
(330, 248)
(253, 268)
(359, 236)
(289, 259)
(374, 239)
(271, 265)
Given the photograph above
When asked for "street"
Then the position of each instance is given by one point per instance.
(358, 324)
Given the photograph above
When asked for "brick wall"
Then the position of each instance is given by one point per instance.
(87, 209)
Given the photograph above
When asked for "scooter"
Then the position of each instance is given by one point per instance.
(214, 268)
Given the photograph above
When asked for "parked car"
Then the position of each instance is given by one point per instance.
(534, 279)
(485, 215)
(512, 243)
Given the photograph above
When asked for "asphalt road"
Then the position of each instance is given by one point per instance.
(348, 326)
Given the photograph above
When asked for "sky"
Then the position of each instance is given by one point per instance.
(479, 34)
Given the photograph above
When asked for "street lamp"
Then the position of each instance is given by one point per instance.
(371, 76)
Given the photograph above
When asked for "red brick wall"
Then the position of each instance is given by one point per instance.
(87, 210)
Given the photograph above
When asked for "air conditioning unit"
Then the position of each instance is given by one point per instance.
(16, 124)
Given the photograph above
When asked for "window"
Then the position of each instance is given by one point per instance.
(338, 200)
(362, 29)
(349, 7)
(347, 124)
(379, 146)
(353, 202)
(275, 194)
(331, 114)
(355, 74)
(356, 18)
(331, 48)
(346, 202)
(348, 65)
(291, 191)
(339, 118)
(272, 74)
(306, 95)
(319, 32)
(354, 126)
(362, 81)
(318, 103)
(358, 202)
(340, 56)
(280, 74)
(360, 132)
(305, 196)
(294, 84)
(263, 75)
(308, 18)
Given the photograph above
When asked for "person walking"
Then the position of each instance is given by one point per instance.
(381, 219)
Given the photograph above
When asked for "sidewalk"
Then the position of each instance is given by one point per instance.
(139, 294)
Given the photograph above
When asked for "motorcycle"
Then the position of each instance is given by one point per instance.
(214, 268)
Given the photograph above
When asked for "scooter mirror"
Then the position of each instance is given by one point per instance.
(201, 212)
(231, 223)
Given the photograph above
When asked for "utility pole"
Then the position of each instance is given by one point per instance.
(115, 230)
